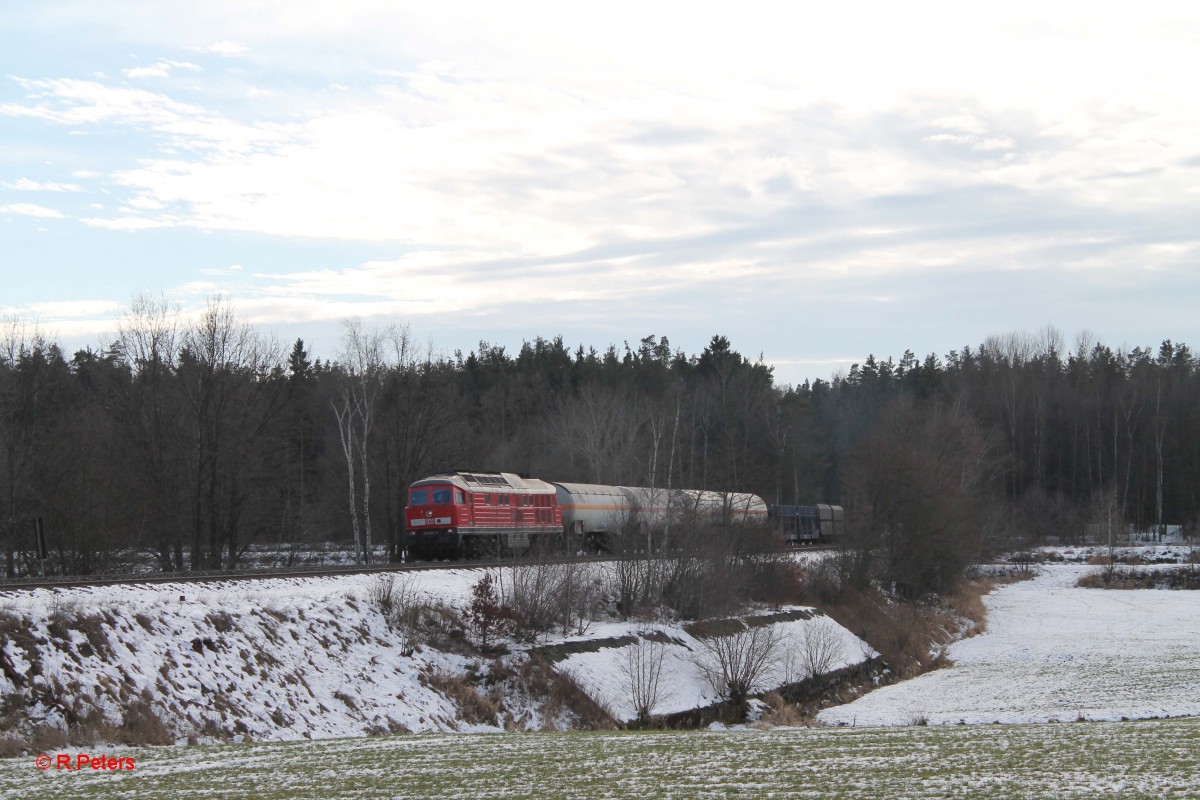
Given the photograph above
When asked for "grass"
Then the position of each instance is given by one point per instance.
(1147, 759)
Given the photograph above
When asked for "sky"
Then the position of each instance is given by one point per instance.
(815, 183)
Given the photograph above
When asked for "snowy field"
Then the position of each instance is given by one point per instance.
(1131, 760)
(1054, 652)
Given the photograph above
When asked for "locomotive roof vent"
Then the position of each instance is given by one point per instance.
(485, 480)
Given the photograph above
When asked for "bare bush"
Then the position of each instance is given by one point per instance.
(626, 584)
(529, 593)
(820, 648)
(398, 600)
(543, 597)
(642, 672)
(735, 664)
(637, 582)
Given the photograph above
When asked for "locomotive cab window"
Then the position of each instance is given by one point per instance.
(458, 498)
(441, 495)
(418, 497)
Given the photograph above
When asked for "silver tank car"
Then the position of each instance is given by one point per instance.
(590, 508)
(594, 512)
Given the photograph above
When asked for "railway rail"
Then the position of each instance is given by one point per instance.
(216, 576)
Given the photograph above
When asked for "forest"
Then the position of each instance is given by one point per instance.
(192, 439)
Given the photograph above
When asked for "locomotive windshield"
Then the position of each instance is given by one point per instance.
(421, 497)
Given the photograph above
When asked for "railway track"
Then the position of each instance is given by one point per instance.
(216, 576)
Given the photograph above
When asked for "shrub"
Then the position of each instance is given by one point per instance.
(486, 615)
(642, 671)
(735, 663)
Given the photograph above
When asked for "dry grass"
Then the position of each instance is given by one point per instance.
(142, 726)
(781, 713)
(474, 707)
(92, 627)
(221, 621)
(967, 601)
(561, 694)
(905, 634)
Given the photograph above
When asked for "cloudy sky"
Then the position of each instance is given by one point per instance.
(814, 184)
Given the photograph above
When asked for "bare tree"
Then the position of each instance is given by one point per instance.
(601, 427)
(225, 368)
(1106, 522)
(146, 409)
(642, 672)
(736, 664)
(916, 483)
(420, 413)
(364, 360)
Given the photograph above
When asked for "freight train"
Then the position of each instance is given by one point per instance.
(472, 513)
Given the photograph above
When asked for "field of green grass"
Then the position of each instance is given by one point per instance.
(1144, 759)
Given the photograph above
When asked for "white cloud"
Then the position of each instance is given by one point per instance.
(161, 69)
(156, 71)
(30, 210)
(68, 309)
(227, 49)
(27, 185)
(127, 224)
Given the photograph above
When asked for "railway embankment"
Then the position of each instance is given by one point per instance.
(309, 658)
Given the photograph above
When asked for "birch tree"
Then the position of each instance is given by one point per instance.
(364, 362)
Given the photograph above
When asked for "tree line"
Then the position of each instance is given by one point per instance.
(193, 439)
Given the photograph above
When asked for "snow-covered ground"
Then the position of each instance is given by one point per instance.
(312, 658)
(1056, 652)
(293, 658)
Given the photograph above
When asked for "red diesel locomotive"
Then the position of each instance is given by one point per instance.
(473, 513)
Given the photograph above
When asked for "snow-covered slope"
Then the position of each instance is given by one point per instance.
(272, 659)
(1056, 652)
(605, 673)
(314, 658)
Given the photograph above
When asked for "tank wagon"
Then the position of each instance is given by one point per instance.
(467, 513)
(595, 514)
